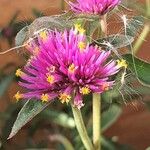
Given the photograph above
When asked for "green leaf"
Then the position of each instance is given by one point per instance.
(27, 113)
(110, 116)
(4, 83)
(13, 19)
(59, 118)
(140, 67)
(107, 145)
(21, 36)
(91, 26)
(114, 41)
(134, 25)
(59, 22)
(37, 13)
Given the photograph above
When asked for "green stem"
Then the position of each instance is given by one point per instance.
(96, 121)
(141, 38)
(97, 100)
(148, 8)
(103, 22)
(62, 5)
(81, 128)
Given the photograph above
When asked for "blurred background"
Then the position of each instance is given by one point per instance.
(131, 128)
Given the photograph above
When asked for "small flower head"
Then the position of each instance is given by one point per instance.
(44, 97)
(18, 96)
(122, 63)
(19, 73)
(50, 79)
(64, 98)
(81, 45)
(98, 7)
(85, 90)
(64, 66)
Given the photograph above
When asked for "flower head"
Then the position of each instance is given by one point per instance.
(98, 7)
(66, 65)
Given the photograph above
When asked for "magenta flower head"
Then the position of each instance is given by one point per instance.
(63, 64)
(98, 7)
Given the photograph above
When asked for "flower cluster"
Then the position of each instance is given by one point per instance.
(98, 7)
(63, 64)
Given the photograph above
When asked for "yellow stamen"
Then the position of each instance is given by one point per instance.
(122, 63)
(81, 45)
(18, 96)
(77, 26)
(43, 35)
(105, 87)
(85, 90)
(71, 68)
(44, 98)
(81, 31)
(50, 79)
(19, 73)
(64, 98)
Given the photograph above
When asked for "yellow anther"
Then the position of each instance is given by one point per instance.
(19, 73)
(44, 97)
(77, 26)
(122, 63)
(72, 68)
(105, 87)
(64, 98)
(81, 45)
(43, 35)
(85, 90)
(18, 96)
(81, 31)
(50, 79)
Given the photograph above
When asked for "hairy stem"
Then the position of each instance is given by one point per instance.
(103, 22)
(81, 128)
(96, 121)
(148, 8)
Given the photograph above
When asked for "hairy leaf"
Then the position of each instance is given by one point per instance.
(134, 25)
(28, 112)
(110, 116)
(59, 118)
(4, 83)
(59, 22)
(21, 36)
(140, 67)
(114, 41)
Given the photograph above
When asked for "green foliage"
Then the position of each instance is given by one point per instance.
(59, 118)
(21, 36)
(114, 41)
(5, 82)
(27, 113)
(134, 25)
(140, 68)
(110, 116)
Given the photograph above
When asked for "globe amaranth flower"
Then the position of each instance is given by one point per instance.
(98, 7)
(63, 64)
